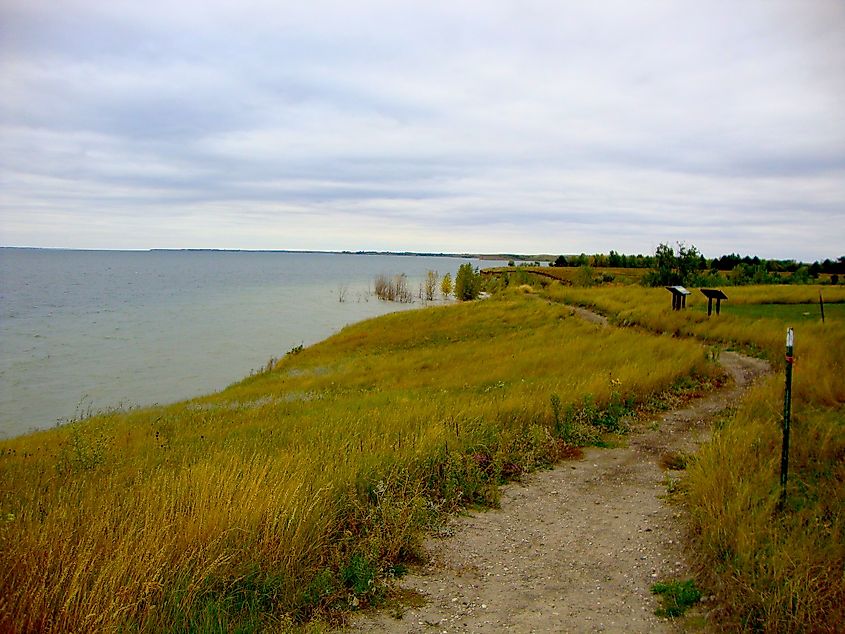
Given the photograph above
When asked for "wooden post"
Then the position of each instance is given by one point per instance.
(718, 304)
(710, 306)
(787, 414)
(821, 305)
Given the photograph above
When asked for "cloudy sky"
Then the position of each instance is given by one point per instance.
(484, 126)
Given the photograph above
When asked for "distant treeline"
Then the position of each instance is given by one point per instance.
(689, 266)
(612, 259)
(723, 263)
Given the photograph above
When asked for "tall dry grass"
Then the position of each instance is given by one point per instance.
(293, 492)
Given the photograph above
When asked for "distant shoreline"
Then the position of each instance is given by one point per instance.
(474, 256)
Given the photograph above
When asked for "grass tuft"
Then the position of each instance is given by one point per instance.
(677, 597)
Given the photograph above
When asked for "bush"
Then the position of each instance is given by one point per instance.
(446, 286)
(677, 597)
(393, 289)
(430, 285)
(467, 283)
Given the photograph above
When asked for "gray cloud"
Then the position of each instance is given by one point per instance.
(538, 126)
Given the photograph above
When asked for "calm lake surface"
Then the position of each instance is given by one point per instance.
(84, 330)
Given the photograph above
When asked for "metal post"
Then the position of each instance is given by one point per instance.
(821, 305)
(787, 412)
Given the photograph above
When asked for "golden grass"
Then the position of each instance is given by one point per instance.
(779, 571)
(252, 507)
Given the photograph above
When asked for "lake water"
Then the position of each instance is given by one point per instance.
(84, 330)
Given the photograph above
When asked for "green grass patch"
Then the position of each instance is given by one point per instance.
(677, 597)
(789, 314)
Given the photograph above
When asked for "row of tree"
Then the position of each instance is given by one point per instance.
(730, 262)
(723, 263)
(612, 259)
(467, 286)
(689, 267)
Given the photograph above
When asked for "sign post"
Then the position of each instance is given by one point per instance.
(821, 305)
(787, 413)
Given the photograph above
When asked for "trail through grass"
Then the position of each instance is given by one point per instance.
(775, 570)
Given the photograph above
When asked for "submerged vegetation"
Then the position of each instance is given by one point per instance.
(393, 288)
(300, 492)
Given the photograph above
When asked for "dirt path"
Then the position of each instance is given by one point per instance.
(574, 549)
(589, 315)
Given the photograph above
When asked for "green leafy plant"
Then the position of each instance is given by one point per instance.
(677, 596)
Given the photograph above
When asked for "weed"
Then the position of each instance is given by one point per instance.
(677, 597)
(322, 587)
(359, 574)
(673, 484)
(674, 460)
(561, 426)
(85, 450)
(271, 363)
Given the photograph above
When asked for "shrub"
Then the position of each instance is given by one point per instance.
(430, 285)
(677, 597)
(446, 286)
(393, 289)
(467, 283)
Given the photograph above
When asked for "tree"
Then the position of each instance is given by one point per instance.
(560, 261)
(467, 282)
(663, 267)
(688, 263)
(669, 269)
(430, 285)
(801, 276)
(446, 285)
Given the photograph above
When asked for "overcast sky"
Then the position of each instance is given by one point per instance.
(489, 126)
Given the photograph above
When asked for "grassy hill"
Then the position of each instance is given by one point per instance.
(300, 492)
